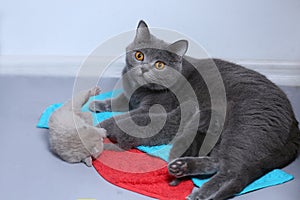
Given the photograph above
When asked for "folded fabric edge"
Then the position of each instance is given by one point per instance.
(273, 178)
(45, 116)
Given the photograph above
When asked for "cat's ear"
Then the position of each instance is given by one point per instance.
(142, 32)
(179, 47)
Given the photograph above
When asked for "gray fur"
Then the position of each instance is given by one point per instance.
(260, 131)
(72, 134)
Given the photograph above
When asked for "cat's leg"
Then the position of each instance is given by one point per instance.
(188, 144)
(77, 102)
(118, 104)
(238, 169)
(83, 97)
(219, 187)
(232, 177)
(141, 117)
(240, 163)
(128, 136)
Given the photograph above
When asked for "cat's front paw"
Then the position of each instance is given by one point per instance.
(99, 106)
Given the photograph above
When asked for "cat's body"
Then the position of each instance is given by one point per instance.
(260, 132)
(71, 132)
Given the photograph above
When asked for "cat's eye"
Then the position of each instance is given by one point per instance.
(139, 56)
(159, 65)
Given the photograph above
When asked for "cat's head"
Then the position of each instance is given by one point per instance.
(151, 60)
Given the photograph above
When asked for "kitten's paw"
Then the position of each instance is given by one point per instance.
(110, 129)
(95, 91)
(98, 106)
(102, 132)
(178, 167)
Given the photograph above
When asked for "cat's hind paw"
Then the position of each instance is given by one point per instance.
(178, 168)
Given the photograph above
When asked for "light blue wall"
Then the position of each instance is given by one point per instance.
(234, 29)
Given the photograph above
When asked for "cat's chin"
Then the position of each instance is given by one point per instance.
(141, 82)
(153, 86)
(144, 80)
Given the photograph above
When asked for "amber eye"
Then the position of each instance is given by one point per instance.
(159, 65)
(139, 56)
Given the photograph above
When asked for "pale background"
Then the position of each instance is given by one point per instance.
(37, 37)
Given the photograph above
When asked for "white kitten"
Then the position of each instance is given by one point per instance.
(72, 134)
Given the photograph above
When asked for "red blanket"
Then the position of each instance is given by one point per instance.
(139, 172)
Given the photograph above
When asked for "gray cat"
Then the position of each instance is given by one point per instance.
(71, 132)
(260, 131)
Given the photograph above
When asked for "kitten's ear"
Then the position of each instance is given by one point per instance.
(142, 32)
(179, 47)
(88, 161)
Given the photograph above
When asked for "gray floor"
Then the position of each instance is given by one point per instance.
(29, 171)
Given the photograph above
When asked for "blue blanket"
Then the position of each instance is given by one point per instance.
(274, 177)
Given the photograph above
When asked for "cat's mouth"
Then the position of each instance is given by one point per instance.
(147, 79)
(142, 78)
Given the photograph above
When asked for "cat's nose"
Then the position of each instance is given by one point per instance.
(143, 69)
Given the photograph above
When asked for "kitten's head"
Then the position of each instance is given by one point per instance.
(151, 60)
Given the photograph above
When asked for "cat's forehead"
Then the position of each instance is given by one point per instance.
(153, 43)
(149, 51)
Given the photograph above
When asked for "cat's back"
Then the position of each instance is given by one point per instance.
(253, 99)
(235, 75)
(258, 103)
(239, 82)
(245, 85)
